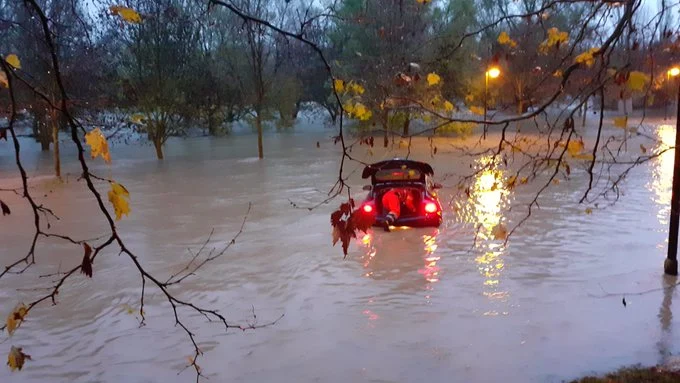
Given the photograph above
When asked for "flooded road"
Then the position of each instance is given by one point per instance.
(408, 306)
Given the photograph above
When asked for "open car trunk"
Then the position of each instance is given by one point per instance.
(405, 213)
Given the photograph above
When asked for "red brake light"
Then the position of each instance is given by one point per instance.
(368, 208)
(430, 207)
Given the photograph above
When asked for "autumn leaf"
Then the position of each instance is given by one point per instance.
(556, 181)
(448, 106)
(523, 180)
(587, 57)
(510, 183)
(589, 210)
(5, 208)
(361, 112)
(621, 122)
(558, 73)
(500, 232)
(504, 39)
(13, 60)
(338, 85)
(643, 149)
(16, 358)
(355, 88)
(98, 145)
(3, 79)
(86, 265)
(137, 118)
(433, 79)
(555, 39)
(127, 14)
(15, 318)
(575, 147)
(637, 81)
(117, 197)
(423, 1)
(477, 110)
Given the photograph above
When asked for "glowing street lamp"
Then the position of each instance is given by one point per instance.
(670, 266)
(492, 72)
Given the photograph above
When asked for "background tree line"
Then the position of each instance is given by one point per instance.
(193, 64)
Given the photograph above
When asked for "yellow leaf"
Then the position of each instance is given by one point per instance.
(558, 73)
(575, 147)
(556, 181)
(13, 60)
(589, 210)
(127, 14)
(643, 149)
(338, 85)
(117, 197)
(510, 184)
(433, 79)
(356, 88)
(448, 106)
(469, 98)
(555, 38)
(500, 232)
(587, 57)
(3, 80)
(16, 358)
(477, 110)
(523, 180)
(15, 318)
(504, 39)
(361, 112)
(621, 122)
(348, 107)
(137, 118)
(637, 81)
(98, 145)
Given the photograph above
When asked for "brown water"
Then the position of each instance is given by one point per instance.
(407, 306)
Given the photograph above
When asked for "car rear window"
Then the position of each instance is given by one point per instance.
(397, 175)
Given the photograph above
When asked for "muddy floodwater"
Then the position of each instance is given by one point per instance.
(417, 305)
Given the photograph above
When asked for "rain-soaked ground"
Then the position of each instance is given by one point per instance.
(408, 306)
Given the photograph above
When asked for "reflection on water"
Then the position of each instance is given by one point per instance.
(668, 283)
(397, 257)
(431, 270)
(488, 200)
(662, 180)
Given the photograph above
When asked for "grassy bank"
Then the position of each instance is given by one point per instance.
(635, 375)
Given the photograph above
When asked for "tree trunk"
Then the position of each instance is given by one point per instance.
(158, 143)
(520, 106)
(407, 123)
(258, 124)
(585, 112)
(296, 110)
(55, 140)
(386, 140)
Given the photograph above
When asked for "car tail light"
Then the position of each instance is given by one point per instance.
(368, 208)
(430, 207)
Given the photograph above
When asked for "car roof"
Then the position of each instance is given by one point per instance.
(397, 163)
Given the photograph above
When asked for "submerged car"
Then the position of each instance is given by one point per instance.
(415, 177)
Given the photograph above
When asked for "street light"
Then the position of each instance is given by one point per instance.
(492, 72)
(670, 266)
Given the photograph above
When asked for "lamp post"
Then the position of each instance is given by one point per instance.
(670, 266)
(492, 72)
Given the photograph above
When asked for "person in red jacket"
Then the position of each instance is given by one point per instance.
(392, 201)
